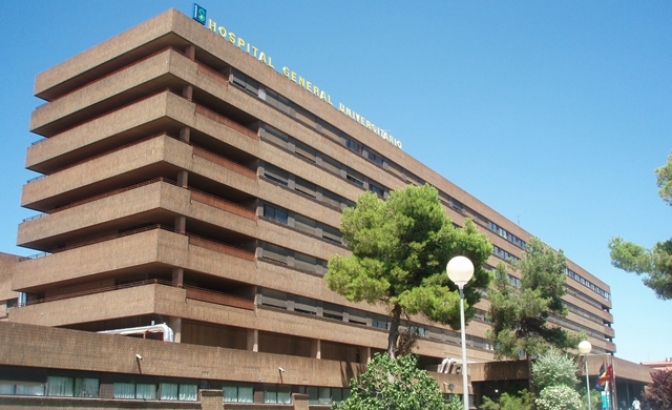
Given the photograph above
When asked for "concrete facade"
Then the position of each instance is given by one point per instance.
(186, 182)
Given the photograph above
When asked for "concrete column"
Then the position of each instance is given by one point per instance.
(188, 92)
(183, 178)
(253, 340)
(365, 354)
(185, 134)
(300, 401)
(316, 349)
(190, 52)
(175, 323)
(178, 277)
(181, 224)
(211, 399)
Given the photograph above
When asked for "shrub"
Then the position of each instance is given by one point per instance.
(558, 398)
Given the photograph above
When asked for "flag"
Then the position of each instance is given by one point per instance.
(600, 381)
(607, 376)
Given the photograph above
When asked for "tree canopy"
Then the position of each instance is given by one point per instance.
(390, 383)
(655, 262)
(519, 314)
(400, 248)
(658, 394)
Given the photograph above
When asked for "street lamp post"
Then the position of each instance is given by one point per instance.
(584, 348)
(460, 270)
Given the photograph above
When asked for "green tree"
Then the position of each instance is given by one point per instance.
(519, 314)
(656, 262)
(554, 368)
(658, 394)
(400, 248)
(391, 384)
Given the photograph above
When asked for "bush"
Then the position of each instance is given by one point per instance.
(553, 368)
(558, 398)
(509, 402)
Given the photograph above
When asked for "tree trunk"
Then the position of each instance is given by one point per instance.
(393, 336)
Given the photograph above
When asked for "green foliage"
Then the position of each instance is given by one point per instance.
(558, 398)
(664, 180)
(658, 394)
(509, 402)
(519, 315)
(655, 263)
(400, 248)
(391, 384)
(595, 398)
(554, 368)
(455, 403)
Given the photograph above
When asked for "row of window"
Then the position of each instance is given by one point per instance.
(283, 140)
(302, 223)
(288, 257)
(318, 308)
(505, 255)
(273, 394)
(314, 307)
(559, 320)
(290, 181)
(285, 105)
(151, 391)
(55, 386)
(584, 313)
(583, 297)
(506, 234)
(310, 119)
(59, 386)
(585, 282)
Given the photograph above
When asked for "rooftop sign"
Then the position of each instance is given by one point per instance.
(199, 14)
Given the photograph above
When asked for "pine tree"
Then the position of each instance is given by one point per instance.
(400, 248)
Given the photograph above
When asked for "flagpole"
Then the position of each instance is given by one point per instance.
(614, 402)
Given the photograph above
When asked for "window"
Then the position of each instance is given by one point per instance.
(72, 387)
(123, 390)
(181, 392)
(353, 145)
(376, 190)
(325, 395)
(248, 84)
(372, 156)
(305, 187)
(274, 252)
(355, 180)
(332, 234)
(304, 224)
(277, 395)
(331, 198)
(277, 137)
(276, 214)
(60, 386)
(238, 393)
(276, 174)
(304, 262)
(145, 391)
(305, 151)
(331, 165)
(21, 388)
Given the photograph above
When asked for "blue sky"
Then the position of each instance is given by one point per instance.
(555, 114)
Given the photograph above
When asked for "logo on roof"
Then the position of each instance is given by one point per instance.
(199, 14)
